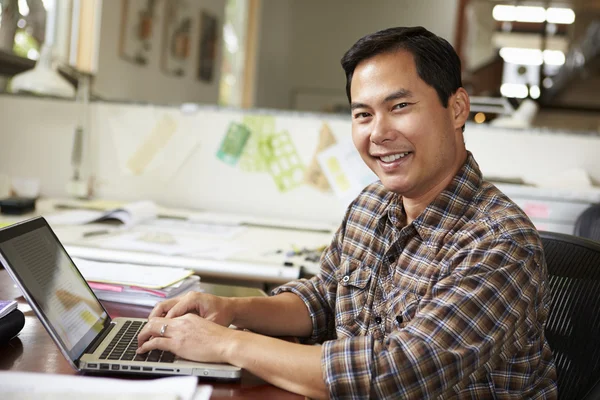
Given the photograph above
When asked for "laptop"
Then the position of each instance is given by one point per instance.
(74, 317)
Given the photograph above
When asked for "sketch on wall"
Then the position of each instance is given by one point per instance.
(176, 46)
(138, 22)
(207, 52)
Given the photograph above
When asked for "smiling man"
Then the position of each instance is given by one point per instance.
(433, 286)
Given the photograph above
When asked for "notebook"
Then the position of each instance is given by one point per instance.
(74, 317)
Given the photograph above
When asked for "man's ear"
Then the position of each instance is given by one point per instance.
(461, 107)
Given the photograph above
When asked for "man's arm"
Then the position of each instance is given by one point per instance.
(291, 366)
(487, 308)
(282, 315)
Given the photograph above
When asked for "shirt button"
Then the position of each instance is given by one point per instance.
(378, 320)
(399, 319)
(345, 278)
(391, 258)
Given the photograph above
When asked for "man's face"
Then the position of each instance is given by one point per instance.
(400, 128)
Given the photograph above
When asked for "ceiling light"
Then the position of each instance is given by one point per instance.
(560, 15)
(553, 15)
(516, 55)
(554, 57)
(517, 90)
(534, 92)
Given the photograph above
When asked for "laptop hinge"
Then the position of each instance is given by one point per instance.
(94, 345)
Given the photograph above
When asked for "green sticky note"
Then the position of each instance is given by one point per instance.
(257, 153)
(233, 143)
(285, 165)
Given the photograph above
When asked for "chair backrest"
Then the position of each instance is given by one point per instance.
(587, 224)
(573, 326)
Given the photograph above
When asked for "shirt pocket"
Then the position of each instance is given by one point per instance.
(353, 278)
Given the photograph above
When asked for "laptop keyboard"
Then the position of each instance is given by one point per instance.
(124, 345)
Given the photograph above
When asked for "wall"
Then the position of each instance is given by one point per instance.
(272, 87)
(41, 147)
(319, 32)
(118, 79)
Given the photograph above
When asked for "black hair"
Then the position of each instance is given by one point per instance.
(436, 60)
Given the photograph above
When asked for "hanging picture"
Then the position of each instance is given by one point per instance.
(138, 23)
(177, 34)
(207, 52)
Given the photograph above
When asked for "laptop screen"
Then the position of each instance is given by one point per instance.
(40, 263)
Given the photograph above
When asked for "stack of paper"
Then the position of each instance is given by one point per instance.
(28, 385)
(136, 284)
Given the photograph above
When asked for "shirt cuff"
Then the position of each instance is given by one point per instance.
(347, 365)
(306, 290)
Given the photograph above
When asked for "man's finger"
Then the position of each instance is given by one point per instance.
(162, 343)
(151, 329)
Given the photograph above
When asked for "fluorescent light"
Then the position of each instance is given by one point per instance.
(530, 14)
(554, 57)
(504, 13)
(560, 15)
(23, 7)
(553, 15)
(520, 56)
(534, 92)
(517, 90)
(516, 55)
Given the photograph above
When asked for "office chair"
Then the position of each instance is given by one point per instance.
(587, 224)
(573, 326)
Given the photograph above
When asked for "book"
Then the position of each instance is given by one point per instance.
(143, 296)
(7, 306)
(128, 215)
(144, 276)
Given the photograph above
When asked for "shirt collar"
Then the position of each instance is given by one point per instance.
(448, 207)
(441, 215)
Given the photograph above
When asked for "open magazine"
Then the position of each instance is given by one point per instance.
(129, 214)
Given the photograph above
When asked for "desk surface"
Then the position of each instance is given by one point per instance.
(23, 352)
(258, 250)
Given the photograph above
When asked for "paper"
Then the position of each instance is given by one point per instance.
(345, 171)
(129, 214)
(28, 385)
(175, 226)
(285, 165)
(129, 274)
(314, 175)
(233, 143)
(155, 242)
(257, 151)
(151, 141)
(158, 138)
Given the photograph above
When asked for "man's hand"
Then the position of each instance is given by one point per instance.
(219, 310)
(189, 336)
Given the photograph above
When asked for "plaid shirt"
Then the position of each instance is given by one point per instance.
(452, 305)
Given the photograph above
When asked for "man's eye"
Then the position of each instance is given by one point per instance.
(400, 105)
(361, 115)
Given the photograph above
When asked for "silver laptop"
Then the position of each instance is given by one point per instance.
(67, 307)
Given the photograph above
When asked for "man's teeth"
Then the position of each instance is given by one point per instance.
(393, 157)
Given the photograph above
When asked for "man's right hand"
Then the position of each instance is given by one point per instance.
(219, 310)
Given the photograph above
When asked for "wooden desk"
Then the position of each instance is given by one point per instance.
(34, 351)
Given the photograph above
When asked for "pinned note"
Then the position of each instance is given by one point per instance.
(314, 175)
(345, 171)
(258, 151)
(285, 165)
(233, 143)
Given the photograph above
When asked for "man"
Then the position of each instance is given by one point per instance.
(435, 283)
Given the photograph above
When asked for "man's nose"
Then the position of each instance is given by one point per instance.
(383, 130)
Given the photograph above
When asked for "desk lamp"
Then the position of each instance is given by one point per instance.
(44, 78)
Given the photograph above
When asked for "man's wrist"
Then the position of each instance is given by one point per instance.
(233, 305)
(233, 345)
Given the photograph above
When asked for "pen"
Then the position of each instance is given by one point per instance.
(94, 233)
